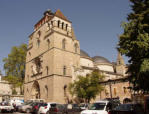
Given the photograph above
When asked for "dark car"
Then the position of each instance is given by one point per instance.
(128, 109)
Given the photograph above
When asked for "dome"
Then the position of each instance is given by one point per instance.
(83, 54)
(99, 59)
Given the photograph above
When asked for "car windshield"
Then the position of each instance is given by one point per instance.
(5, 104)
(82, 105)
(44, 104)
(97, 106)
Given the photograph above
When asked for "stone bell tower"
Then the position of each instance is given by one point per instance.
(53, 53)
(120, 65)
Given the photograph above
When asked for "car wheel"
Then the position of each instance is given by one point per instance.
(11, 111)
(47, 112)
(28, 111)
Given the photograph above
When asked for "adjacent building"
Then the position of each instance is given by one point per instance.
(5, 90)
(54, 60)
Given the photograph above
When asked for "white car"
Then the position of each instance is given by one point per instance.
(6, 107)
(99, 107)
(44, 109)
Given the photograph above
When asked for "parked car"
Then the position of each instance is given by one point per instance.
(16, 103)
(56, 109)
(27, 107)
(128, 109)
(99, 107)
(45, 107)
(6, 107)
(36, 107)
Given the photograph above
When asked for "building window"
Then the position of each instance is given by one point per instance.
(62, 25)
(64, 70)
(27, 77)
(46, 87)
(64, 44)
(58, 23)
(115, 91)
(39, 33)
(38, 43)
(125, 90)
(48, 42)
(66, 26)
(52, 23)
(29, 54)
(47, 70)
(36, 68)
(76, 47)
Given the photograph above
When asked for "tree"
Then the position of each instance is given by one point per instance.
(87, 87)
(14, 65)
(134, 43)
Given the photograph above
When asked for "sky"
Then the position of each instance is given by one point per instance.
(96, 23)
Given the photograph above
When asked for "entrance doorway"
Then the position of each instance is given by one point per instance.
(35, 90)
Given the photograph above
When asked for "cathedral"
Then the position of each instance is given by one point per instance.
(54, 59)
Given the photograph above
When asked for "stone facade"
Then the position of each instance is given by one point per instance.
(52, 53)
(54, 60)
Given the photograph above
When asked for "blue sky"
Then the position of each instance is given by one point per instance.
(96, 23)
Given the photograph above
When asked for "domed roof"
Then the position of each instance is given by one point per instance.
(84, 54)
(100, 59)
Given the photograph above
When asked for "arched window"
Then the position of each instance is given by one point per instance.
(58, 23)
(76, 47)
(39, 33)
(64, 44)
(64, 70)
(62, 25)
(48, 43)
(38, 43)
(46, 87)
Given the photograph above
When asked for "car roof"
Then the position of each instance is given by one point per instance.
(102, 101)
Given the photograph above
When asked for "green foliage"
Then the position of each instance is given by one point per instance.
(87, 87)
(134, 43)
(14, 81)
(14, 92)
(14, 65)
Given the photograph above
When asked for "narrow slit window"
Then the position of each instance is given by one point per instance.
(58, 23)
(64, 70)
(64, 44)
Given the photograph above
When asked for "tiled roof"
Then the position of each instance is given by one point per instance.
(59, 14)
